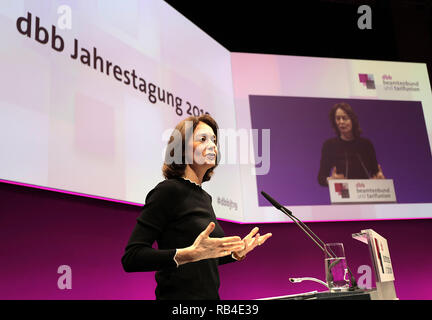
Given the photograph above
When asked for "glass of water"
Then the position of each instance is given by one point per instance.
(337, 275)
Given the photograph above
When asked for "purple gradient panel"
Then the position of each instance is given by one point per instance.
(290, 253)
(299, 126)
(41, 230)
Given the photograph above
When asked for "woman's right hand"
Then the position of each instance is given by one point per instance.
(205, 247)
(335, 175)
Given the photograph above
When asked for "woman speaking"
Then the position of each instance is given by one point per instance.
(347, 156)
(178, 216)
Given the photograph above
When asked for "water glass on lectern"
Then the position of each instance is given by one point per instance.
(336, 270)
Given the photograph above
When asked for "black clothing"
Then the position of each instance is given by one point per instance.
(176, 211)
(355, 159)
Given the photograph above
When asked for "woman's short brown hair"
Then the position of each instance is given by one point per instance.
(356, 130)
(172, 169)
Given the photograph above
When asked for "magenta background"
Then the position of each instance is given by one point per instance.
(41, 230)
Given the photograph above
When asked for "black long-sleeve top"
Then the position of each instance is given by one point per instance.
(176, 211)
(355, 159)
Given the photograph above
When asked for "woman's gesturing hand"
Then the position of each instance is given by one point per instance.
(379, 174)
(205, 247)
(335, 175)
(251, 241)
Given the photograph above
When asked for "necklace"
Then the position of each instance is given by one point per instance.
(191, 181)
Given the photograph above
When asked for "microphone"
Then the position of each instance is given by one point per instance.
(308, 232)
(346, 165)
(298, 222)
(274, 202)
(364, 167)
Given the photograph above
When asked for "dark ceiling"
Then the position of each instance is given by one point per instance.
(401, 29)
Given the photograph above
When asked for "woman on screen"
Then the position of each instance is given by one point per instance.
(347, 156)
(178, 215)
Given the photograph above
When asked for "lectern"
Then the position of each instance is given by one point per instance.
(383, 271)
(382, 265)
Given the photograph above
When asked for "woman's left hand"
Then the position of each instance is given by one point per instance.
(251, 241)
(380, 174)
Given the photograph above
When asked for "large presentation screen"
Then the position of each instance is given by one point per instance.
(91, 90)
(305, 103)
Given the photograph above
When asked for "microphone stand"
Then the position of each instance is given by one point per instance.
(310, 234)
